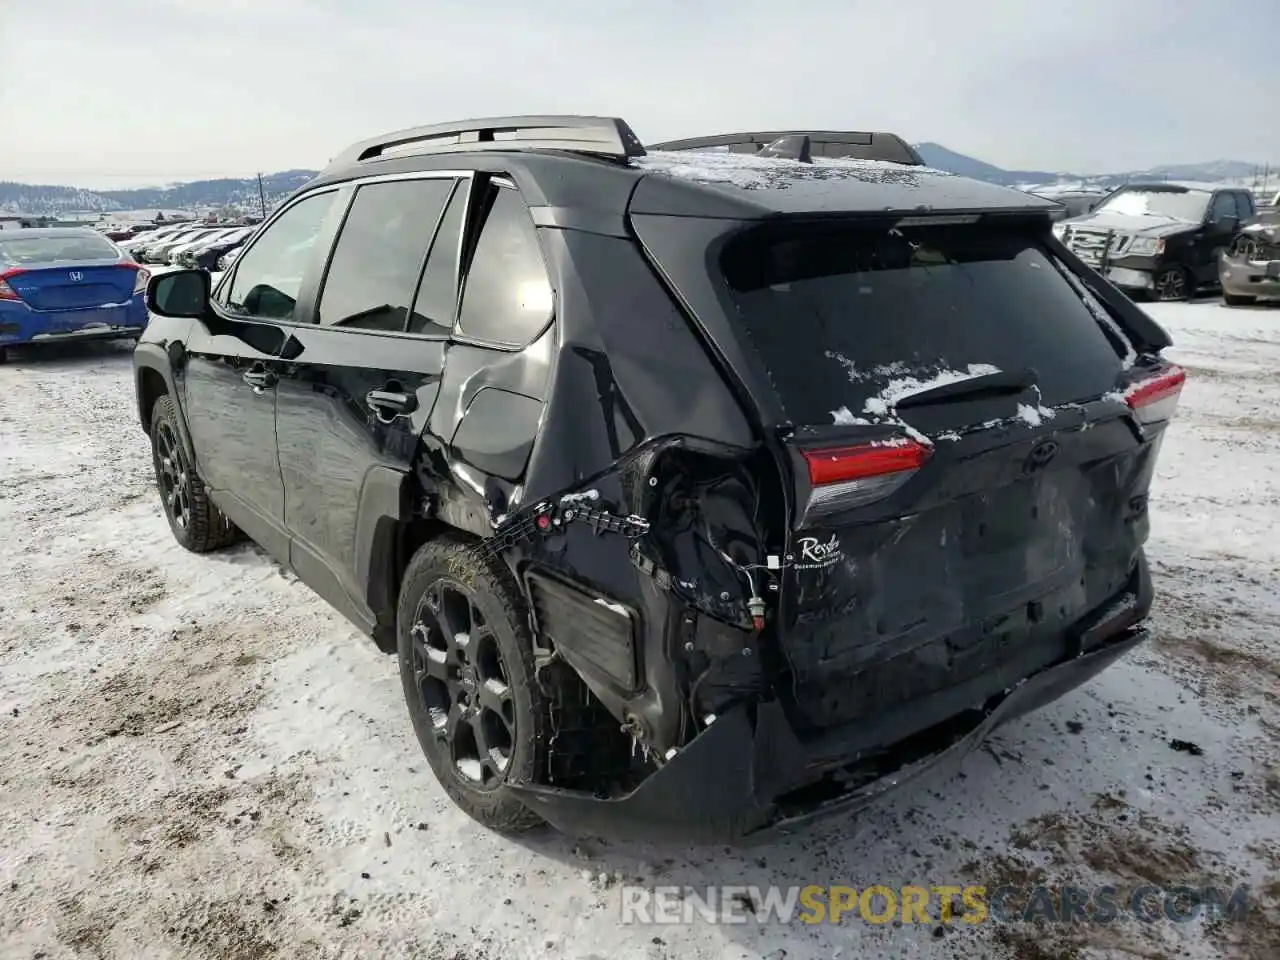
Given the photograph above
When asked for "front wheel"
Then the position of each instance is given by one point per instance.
(1236, 300)
(466, 665)
(196, 523)
(1173, 283)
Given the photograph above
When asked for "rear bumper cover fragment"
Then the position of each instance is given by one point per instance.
(724, 786)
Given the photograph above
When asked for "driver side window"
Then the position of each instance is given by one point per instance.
(1224, 205)
(269, 274)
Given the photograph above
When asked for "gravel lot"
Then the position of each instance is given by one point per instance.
(199, 759)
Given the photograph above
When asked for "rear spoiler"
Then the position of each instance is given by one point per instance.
(1148, 335)
(855, 144)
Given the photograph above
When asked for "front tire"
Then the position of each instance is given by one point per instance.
(1172, 284)
(1236, 300)
(466, 665)
(197, 524)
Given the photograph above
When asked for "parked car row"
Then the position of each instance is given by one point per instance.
(1172, 241)
(206, 252)
(121, 232)
(188, 245)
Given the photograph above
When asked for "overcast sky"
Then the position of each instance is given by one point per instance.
(104, 93)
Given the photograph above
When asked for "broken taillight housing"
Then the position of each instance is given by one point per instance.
(1155, 399)
(846, 477)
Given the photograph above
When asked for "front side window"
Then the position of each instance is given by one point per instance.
(1224, 205)
(269, 275)
(507, 296)
(380, 251)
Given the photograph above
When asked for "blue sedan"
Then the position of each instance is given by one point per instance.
(64, 283)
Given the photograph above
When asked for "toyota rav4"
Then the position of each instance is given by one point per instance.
(700, 490)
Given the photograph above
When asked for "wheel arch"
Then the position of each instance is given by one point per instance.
(391, 526)
(153, 379)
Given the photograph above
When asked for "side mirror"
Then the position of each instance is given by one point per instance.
(179, 293)
(1227, 224)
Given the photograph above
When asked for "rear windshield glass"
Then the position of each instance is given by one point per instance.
(849, 321)
(20, 250)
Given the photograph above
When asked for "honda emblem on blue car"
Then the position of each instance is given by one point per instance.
(76, 276)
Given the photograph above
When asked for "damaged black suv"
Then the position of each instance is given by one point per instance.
(700, 489)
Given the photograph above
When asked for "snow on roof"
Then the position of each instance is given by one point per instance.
(748, 171)
(781, 185)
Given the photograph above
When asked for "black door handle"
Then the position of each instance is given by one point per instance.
(260, 378)
(389, 404)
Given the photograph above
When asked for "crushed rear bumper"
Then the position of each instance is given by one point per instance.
(1249, 278)
(730, 784)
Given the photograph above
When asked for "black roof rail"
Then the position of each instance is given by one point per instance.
(797, 148)
(604, 136)
(858, 144)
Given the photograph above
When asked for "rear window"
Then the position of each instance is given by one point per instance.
(847, 321)
(16, 251)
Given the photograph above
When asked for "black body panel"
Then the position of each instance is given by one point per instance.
(331, 440)
(627, 454)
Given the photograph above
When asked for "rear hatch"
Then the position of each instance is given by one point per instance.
(65, 273)
(967, 439)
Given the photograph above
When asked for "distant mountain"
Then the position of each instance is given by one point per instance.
(940, 158)
(198, 195)
(1214, 171)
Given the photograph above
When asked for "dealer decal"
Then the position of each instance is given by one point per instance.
(817, 554)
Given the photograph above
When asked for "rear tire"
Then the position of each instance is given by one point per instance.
(466, 665)
(4, 355)
(197, 524)
(1236, 300)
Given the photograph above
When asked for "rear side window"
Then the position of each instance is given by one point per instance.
(23, 250)
(380, 253)
(438, 292)
(507, 296)
(848, 320)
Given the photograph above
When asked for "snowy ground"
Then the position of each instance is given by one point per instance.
(199, 759)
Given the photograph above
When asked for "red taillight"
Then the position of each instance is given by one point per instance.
(864, 460)
(140, 280)
(1156, 398)
(6, 291)
(845, 477)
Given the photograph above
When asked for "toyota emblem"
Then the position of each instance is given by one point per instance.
(1040, 456)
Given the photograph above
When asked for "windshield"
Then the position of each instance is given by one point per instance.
(23, 250)
(847, 319)
(1172, 204)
